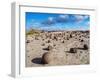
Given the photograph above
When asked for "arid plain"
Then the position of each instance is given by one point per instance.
(50, 48)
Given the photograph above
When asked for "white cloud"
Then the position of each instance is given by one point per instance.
(50, 19)
(86, 16)
(88, 23)
(63, 16)
(79, 17)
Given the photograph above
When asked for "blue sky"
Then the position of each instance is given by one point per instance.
(50, 21)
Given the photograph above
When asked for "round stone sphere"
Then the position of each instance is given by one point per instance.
(54, 58)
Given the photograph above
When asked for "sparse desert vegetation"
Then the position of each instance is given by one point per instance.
(44, 48)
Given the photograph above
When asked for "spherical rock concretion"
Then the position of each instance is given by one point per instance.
(54, 58)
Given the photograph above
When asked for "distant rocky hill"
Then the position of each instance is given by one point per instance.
(35, 31)
(32, 31)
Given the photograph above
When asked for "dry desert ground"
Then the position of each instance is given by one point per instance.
(49, 48)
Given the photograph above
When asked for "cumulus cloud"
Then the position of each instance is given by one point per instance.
(80, 18)
(49, 21)
(55, 20)
(34, 23)
(86, 16)
(88, 23)
(62, 18)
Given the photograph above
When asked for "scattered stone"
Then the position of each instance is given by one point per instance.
(55, 38)
(36, 38)
(85, 47)
(82, 40)
(48, 41)
(63, 41)
(43, 44)
(54, 45)
(70, 36)
(67, 38)
(49, 47)
(73, 50)
(28, 41)
(28, 56)
(80, 51)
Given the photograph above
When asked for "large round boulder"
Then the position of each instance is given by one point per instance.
(54, 58)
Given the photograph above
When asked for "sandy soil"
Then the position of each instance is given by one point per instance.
(62, 41)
